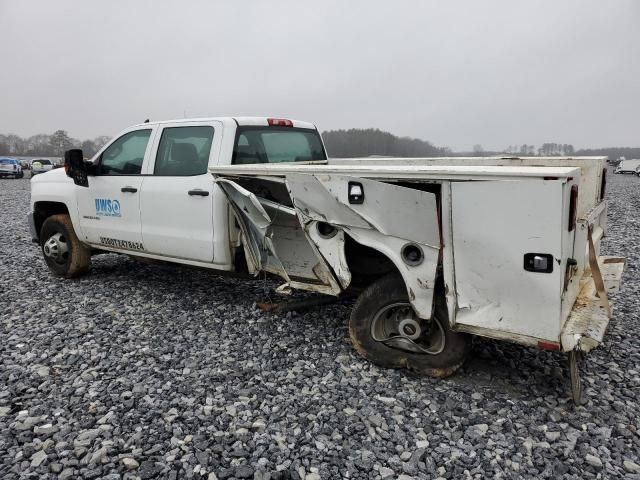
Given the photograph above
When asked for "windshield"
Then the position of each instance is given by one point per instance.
(6, 161)
(43, 161)
(277, 145)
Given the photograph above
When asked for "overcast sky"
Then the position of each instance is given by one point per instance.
(455, 73)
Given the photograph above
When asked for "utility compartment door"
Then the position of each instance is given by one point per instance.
(494, 225)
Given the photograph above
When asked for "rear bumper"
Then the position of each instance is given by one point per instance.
(35, 238)
(588, 320)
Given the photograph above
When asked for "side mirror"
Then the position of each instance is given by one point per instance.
(75, 167)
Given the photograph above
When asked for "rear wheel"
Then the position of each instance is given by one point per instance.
(576, 361)
(385, 330)
(64, 254)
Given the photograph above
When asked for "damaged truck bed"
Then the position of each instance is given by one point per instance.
(441, 249)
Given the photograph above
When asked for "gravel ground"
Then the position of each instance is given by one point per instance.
(144, 371)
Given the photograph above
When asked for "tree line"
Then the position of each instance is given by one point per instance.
(367, 142)
(43, 145)
(364, 142)
(340, 144)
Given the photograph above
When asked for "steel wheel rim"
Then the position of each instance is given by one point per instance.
(56, 248)
(397, 326)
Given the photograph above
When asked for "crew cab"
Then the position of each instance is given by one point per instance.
(437, 250)
(149, 192)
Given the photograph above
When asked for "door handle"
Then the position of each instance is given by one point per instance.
(129, 189)
(200, 193)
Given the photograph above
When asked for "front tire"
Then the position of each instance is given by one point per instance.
(63, 252)
(427, 347)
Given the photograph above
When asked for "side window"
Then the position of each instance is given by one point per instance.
(125, 155)
(183, 151)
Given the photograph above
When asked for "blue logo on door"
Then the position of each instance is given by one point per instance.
(107, 208)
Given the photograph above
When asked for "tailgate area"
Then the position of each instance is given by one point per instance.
(588, 320)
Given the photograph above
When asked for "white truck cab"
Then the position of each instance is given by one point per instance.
(149, 193)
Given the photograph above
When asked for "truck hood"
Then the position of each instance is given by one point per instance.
(56, 175)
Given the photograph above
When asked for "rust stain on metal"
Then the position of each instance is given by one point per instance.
(425, 284)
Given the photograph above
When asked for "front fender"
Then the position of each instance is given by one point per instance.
(57, 188)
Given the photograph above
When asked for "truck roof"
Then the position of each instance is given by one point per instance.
(241, 121)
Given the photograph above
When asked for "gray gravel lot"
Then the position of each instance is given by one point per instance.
(149, 371)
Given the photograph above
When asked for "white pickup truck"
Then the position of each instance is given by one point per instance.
(438, 249)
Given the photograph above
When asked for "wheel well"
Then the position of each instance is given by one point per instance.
(43, 210)
(366, 264)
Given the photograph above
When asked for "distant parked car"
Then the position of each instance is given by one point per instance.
(628, 166)
(40, 165)
(10, 167)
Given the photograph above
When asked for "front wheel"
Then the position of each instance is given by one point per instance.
(385, 330)
(65, 255)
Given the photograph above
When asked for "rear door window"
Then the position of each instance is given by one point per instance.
(184, 151)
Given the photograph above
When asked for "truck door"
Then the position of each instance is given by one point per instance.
(110, 208)
(178, 194)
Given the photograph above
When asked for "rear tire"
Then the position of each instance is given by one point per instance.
(63, 252)
(386, 293)
(576, 361)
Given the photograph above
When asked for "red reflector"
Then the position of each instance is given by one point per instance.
(573, 207)
(549, 345)
(603, 184)
(279, 122)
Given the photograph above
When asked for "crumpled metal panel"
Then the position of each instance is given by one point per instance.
(588, 319)
(262, 239)
(254, 223)
(386, 207)
(380, 223)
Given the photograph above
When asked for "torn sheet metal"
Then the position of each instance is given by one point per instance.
(380, 223)
(331, 248)
(588, 319)
(254, 223)
(386, 207)
(274, 242)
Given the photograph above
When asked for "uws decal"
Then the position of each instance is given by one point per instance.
(107, 208)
